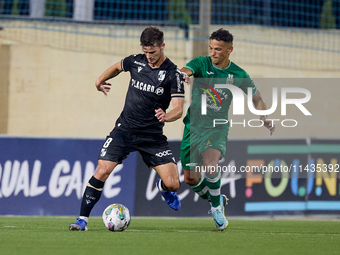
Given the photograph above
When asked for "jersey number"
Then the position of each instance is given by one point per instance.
(107, 143)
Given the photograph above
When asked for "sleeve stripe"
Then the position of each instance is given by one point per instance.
(192, 70)
(121, 63)
(177, 95)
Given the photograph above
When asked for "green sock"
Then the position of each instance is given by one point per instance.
(214, 185)
(201, 188)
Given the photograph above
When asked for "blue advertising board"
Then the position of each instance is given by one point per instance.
(47, 176)
(291, 187)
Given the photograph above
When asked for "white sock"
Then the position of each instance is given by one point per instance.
(160, 186)
(86, 219)
(213, 209)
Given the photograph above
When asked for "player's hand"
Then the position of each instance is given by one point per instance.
(268, 124)
(160, 114)
(186, 78)
(104, 87)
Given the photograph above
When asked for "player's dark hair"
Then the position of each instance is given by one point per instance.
(222, 35)
(151, 36)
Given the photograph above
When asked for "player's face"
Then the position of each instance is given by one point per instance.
(219, 52)
(153, 53)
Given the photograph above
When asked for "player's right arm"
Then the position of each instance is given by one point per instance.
(186, 70)
(186, 73)
(193, 67)
(109, 73)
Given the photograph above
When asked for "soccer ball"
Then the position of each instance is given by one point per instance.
(116, 217)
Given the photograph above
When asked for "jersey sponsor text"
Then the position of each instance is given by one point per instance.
(142, 86)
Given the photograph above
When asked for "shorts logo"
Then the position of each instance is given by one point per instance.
(163, 153)
(159, 91)
(103, 152)
(191, 164)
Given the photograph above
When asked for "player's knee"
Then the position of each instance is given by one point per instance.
(210, 162)
(191, 177)
(102, 174)
(103, 171)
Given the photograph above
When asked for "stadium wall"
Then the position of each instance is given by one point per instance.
(49, 73)
(4, 87)
(51, 81)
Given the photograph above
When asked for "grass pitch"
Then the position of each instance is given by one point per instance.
(50, 235)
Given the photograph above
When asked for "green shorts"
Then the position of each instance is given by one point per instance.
(193, 145)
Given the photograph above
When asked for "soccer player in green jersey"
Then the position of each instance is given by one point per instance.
(204, 143)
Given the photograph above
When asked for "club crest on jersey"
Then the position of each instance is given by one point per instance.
(230, 79)
(159, 91)
(161, 75)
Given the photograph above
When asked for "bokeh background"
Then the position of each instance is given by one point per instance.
(51, 52)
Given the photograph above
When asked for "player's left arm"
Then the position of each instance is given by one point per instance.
(260, 105)
(174, 114)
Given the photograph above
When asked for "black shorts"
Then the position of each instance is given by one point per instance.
(153, 148)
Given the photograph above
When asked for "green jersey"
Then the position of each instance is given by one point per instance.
(216, 101)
